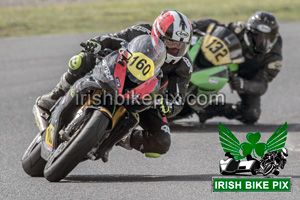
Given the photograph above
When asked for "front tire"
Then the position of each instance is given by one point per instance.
(32, 162)
(268, 169)
(69, 154)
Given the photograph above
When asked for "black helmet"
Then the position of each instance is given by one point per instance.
(262, 31)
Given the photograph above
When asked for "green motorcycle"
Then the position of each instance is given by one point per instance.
(215, 56)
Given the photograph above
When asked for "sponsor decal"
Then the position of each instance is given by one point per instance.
(49, 135)
(213, 81)
(106, 71)
(72, 91)
(182, 34)
(166, 128)
(134, 95)
(118, 82)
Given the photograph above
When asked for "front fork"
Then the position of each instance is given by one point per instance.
(123, 123)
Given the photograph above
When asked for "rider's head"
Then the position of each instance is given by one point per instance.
(262, 31)
(284, 152)
(175, 30)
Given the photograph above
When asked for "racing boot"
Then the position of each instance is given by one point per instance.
(105, 156)
(230, 111)
(47, 101)
(125, 142)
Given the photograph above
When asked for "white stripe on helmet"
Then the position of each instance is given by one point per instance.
(178, 32)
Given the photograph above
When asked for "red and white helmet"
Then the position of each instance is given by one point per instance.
(176, 31)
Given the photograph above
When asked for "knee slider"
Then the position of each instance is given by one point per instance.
(162, 147)
(163, 143)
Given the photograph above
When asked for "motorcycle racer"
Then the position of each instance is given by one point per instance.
(175, 30)
(261, 45)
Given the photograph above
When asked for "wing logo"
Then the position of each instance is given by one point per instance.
(232, 145)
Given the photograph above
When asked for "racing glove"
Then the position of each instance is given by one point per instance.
(93, 46)
(238, 84)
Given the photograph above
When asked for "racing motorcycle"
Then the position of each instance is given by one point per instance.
(98, 110)
(215, 56)
(272, 162)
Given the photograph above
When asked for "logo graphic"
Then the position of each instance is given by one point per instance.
(213, 81)
(165, 128)
(232, 145)
(182, 34)
(272, 155)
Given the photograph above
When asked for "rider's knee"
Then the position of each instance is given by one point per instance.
(162, 142)
(251, 115)
(81, 64)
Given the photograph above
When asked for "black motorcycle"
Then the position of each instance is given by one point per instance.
(97, 111)
(272, 162)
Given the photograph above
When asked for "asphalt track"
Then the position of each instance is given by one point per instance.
(31, 66)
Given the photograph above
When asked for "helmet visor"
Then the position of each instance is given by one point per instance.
(176, 48)
(263, 42)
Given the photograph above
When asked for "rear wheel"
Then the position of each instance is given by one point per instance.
(67, 156)
(32, 162)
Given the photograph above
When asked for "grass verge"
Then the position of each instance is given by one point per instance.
(116, 15)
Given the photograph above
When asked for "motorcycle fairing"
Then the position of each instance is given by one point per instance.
(211, 79)
(138, 92)
(195, 49)
(120, 73)
(142, 90)
(65, 104)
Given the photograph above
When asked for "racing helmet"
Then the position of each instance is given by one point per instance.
(176, 31)
(262, 32)
(146, 56)
(284, 152)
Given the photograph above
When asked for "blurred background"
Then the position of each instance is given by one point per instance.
(35, 17)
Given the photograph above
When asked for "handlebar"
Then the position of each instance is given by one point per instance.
(101, 54)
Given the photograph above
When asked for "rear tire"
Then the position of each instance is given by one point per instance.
(69, 154)
(32, 162)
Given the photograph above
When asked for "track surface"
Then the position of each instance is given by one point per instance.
(31, 66)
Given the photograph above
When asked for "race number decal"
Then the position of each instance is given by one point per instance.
(215, 50)
(49, 135)
(141, 66)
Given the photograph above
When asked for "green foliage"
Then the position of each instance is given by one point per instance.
(108, 16)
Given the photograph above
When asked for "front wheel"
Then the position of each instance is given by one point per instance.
(269, 167)
(32, 162)
(69, 154)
